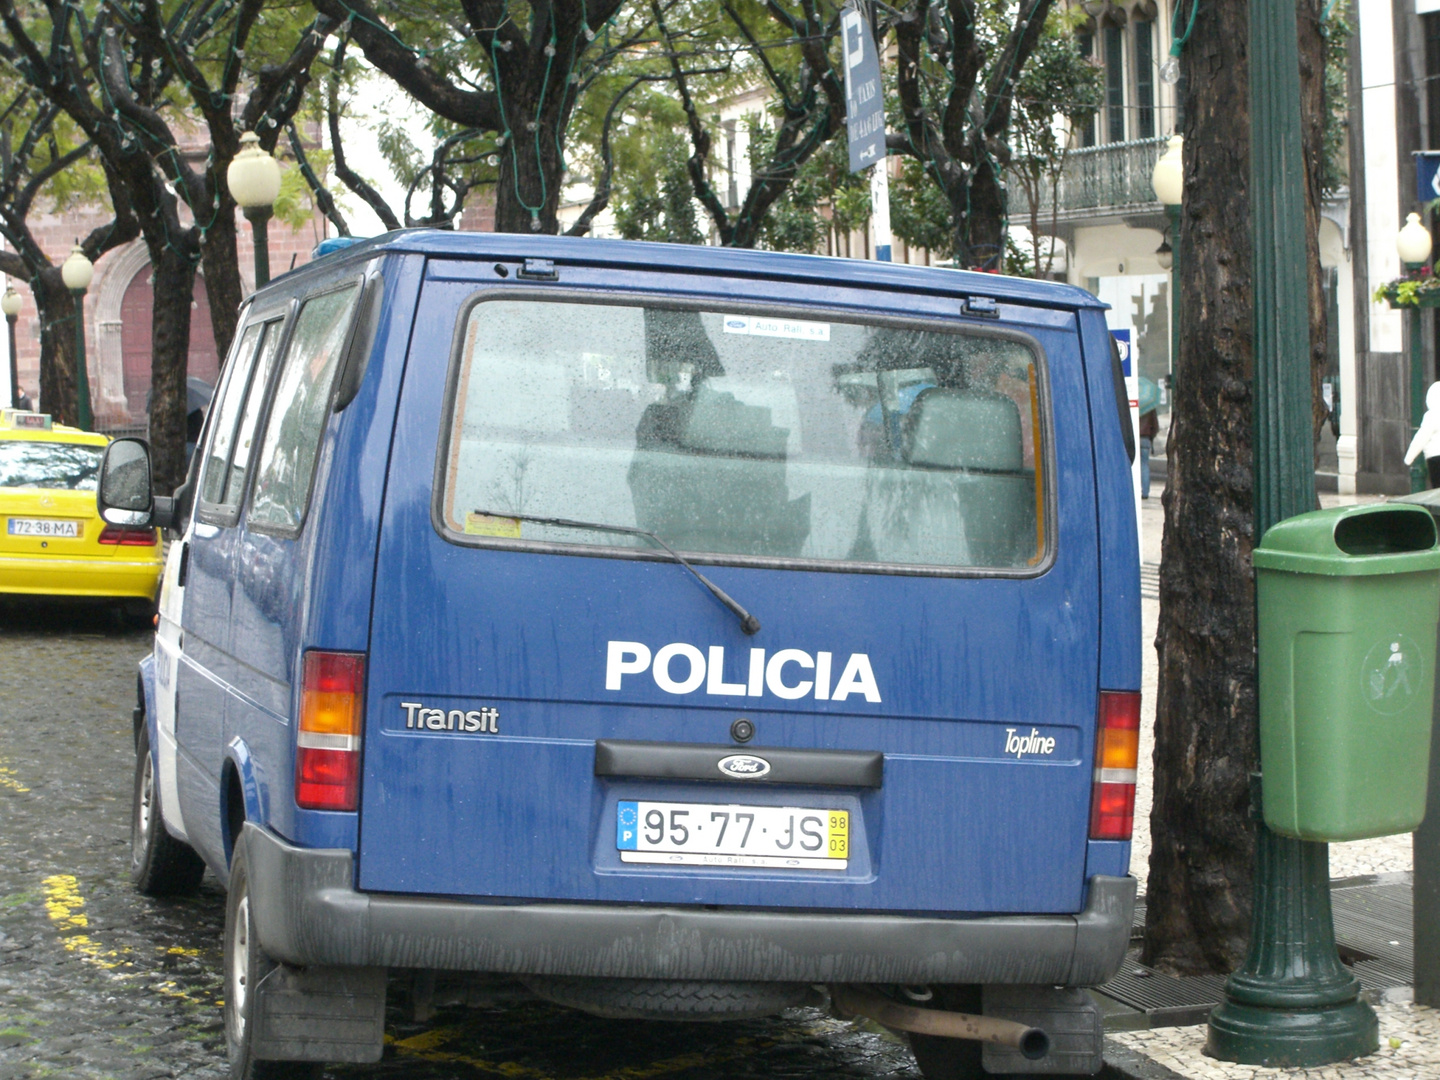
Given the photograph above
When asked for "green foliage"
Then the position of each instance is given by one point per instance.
(1058, 89)
(1409, 292)
(798, 220)
(295, 205)
(982, 104)
(1338, 30)
(657, 204)
(920, 212)
(710, 53)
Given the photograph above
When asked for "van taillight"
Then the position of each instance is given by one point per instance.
(127, 534)
(1117, 752)
(327, 755)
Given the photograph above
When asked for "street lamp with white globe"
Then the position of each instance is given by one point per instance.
(10, 305)
(77, 272)
(254, 180)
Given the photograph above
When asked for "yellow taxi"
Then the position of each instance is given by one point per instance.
(52, 541)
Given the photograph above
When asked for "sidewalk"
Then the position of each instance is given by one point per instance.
(1369, 876)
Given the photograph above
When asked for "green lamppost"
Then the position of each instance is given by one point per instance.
(1168, 180)
(1293, 1003)
(10, 305)
(76, 272)
(1413, 244)
(254, 181)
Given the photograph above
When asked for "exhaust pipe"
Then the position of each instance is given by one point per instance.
(1032, 1042)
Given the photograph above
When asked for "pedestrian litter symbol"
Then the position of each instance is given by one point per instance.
(1390, 673)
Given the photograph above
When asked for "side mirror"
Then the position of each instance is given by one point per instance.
(123, 496)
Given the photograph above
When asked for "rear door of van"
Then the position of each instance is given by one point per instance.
(901, 495)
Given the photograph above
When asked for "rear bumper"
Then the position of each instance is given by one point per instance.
(307, 911)
(49, 576)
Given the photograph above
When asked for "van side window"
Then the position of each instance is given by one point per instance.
(217, 451)
(302, 405)
(254, 403)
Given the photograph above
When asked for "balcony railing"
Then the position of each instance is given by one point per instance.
(1098, 178)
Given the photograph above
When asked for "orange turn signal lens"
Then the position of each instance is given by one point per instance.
(1117, 756)
(333, 693)
(327, 753)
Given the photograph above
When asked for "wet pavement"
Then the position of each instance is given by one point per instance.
(99, 981)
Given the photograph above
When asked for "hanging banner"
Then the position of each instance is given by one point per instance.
(1427, 175)
(864, 98)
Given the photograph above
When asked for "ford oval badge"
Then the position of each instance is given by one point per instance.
(743, 766)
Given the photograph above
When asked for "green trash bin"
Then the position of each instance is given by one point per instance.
(1347, 602)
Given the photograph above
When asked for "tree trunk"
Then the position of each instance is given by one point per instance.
(223, 285)
(1202, 840)
(1312, 89)
(527, 191)
(56, 308)
(170, 345)
(977, 206)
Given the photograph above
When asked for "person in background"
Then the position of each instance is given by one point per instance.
(1149, 428)
(1427, 438)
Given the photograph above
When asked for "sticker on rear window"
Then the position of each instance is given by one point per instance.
(764, 326)
(489, 525)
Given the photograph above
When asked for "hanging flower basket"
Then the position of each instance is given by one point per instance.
(1421, 292)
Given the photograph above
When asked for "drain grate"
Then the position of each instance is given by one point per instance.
(1376, 923)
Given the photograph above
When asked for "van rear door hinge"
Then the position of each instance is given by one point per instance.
(539, 270)
(984, 306)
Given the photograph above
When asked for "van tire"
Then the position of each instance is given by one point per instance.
(668, 999)
(160, 865)
(245, 965)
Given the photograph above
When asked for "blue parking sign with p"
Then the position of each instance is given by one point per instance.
(864, 99)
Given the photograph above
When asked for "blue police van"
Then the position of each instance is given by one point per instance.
(679, 632)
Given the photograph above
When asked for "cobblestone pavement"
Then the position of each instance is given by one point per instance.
(1409, 1050)
(99, 981)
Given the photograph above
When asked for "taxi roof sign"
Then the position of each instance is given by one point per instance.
(25, 421)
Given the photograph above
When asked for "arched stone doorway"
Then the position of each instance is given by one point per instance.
(135, 339)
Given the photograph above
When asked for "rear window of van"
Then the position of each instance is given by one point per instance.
(733, 434)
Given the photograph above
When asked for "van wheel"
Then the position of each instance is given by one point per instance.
(245, 965)
(160, 865)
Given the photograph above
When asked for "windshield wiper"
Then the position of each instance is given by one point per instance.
(748, 623)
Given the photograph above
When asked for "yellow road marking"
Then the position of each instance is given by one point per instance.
(66, 908)
(7, 778)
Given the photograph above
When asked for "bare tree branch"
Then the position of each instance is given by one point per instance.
(346, 175)
(323, 198)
